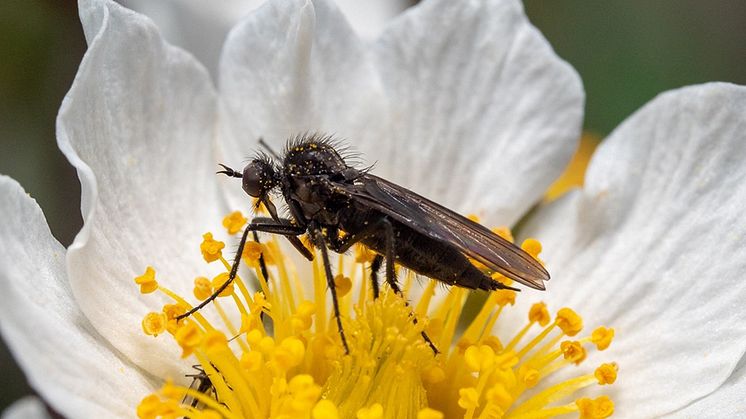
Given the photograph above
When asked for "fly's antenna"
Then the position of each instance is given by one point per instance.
(268, 148)
(228, 171)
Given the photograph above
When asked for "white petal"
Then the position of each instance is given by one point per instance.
(137, 124)
(195, 25)
(725, 402)
(65, 360)
(29, 407)
(294, 67)
(655, 246)
(485, 114)
(200, 28)
(370, 17)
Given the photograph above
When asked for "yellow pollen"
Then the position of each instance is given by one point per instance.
(285, 358)
(602, 337)
(211, 249)
(569, 321)
(529, 376)
(252, 361)
(434, 375)
(539, 314)
(251, 252)
(171, 311)
(202, 288)
(479, 358)
(599, 408)
(606, 373)
(325, 409)
(188, 337)
(573, 351)
(363, 254)
(499, 395)
(149, 407)
(343, 285)
(504, 297)
(468, 398)
(234, 222)
(428, 413)
(373, 412)
(504, 232)
(493, 342)
(473, 217)
(532, 247)
(258, 206)
(214, 341)
(154, 324)
(147, 281)
(218, 282)
(290, 353)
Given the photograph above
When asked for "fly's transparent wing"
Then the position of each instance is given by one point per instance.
(440, 223)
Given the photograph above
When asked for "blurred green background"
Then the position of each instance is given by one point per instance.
(626, 52)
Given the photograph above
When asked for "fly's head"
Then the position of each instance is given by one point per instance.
(259, 177)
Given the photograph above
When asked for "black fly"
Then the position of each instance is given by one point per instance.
(338, 205)
(200, 382)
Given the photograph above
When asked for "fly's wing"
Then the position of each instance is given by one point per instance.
(440, 223)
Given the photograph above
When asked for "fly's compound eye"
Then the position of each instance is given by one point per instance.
(258, 178)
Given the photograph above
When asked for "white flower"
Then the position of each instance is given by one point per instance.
(177, 20)
(464, 103)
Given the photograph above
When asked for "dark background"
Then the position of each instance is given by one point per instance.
(626, 53)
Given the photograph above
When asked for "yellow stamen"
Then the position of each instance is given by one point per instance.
(599, 408)
(428, 413)
(569, 322)
(154, 324)
(147, 281)
(325, 409)
(532, 247)
(218, 282)
(202, 288)
(602, 337)
(211, 249)
(606, 373)
(373, 412)
(286, 359)
(573, 351)
(504, 232)
(234, 222)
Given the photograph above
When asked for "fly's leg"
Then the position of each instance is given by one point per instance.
(344, 244)
(265, 273)
(262, 263)
(318, 239)
(375, 266)
(283, 228)
(391, 273)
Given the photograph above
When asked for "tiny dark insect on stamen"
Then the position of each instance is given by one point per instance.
(337, 205)
(200, 382)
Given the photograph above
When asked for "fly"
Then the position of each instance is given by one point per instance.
(201, 383)
(338, 205)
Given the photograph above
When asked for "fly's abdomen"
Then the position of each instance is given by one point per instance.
(431, 258)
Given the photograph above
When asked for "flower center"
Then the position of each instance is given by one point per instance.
(277, 352)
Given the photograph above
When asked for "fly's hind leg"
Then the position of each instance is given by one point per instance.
(391, 272)
(375, 266)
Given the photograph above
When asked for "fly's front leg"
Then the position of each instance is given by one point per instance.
(318, 238)
(259, 224)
